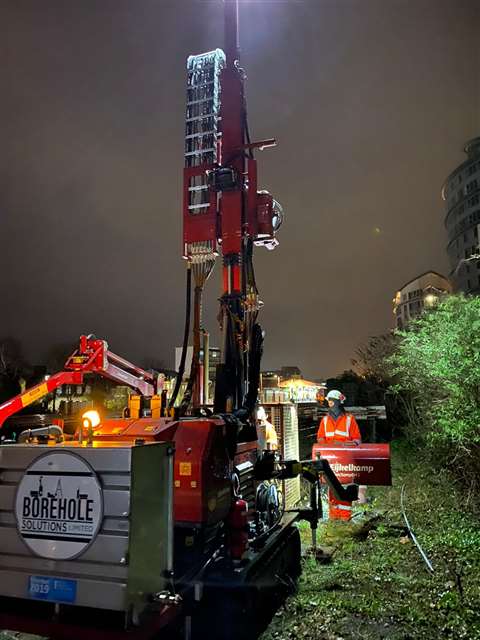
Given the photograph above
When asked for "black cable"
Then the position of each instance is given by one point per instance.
(245, 124)
(256, 352)
(192, 381)
(181, 369)
(250, 268)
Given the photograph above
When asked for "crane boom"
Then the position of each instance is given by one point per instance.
(92, 356)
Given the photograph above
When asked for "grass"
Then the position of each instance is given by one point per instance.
(379, 587)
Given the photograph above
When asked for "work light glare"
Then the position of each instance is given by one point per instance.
(90, 418)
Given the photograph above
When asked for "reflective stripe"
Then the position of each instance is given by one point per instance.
(343, 507)
(337, 432)
(328, 434)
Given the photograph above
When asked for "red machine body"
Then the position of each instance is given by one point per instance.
(366, 464)
(202, 470)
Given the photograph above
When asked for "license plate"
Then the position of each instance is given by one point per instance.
(52, 589)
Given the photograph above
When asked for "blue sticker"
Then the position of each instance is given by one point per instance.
(52, 589)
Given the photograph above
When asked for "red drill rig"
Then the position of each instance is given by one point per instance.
(164, 521)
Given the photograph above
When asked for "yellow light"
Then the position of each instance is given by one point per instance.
(90, 418)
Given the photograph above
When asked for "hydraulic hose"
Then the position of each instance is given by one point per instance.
(256, 352)
(192, 381)
(186, 334)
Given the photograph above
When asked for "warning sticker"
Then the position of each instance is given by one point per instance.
(34, 394)
(185, 468)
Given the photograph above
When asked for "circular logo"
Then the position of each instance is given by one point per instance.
(59, 505)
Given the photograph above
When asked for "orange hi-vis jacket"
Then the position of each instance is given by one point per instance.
(343, 429)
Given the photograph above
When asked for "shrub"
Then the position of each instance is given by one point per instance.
(436, 365)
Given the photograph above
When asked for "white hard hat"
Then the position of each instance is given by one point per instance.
(336, 395)
(261, 414)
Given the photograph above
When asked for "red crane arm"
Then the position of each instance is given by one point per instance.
(33, 394)
(92, 356)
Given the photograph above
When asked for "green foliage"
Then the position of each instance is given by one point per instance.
(437, 365)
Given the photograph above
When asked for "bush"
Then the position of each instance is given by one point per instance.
(436, 366)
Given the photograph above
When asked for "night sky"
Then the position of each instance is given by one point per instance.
(371, 102)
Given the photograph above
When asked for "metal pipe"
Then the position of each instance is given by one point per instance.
(232, 48)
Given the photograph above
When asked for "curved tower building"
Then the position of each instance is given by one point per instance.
(461, 193)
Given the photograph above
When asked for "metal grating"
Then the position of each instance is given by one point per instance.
(202, 121)
(202, 148)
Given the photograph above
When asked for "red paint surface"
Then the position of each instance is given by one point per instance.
(367, 464)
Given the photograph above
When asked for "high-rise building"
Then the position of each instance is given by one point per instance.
(461, 193)
(422, 292)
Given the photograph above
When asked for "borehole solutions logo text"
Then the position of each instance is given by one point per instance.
(59, 505)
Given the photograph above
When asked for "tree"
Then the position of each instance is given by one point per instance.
(58, 353)
(437, 364)
(372, 359)
(12, 361)
(13, 367)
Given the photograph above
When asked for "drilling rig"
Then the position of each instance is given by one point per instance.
(162, 522)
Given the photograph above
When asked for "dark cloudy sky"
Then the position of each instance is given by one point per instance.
(371, 102)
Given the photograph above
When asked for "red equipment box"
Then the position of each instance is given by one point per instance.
(367, 464)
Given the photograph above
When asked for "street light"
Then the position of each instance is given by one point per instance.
(430, 299)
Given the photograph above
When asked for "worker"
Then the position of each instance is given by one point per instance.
(267, 436)
(338, 427)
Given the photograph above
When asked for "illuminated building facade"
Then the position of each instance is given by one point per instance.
(288, 385)
(421, 293)
(461, 194)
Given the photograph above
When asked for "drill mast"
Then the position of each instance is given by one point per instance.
(224, 215)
